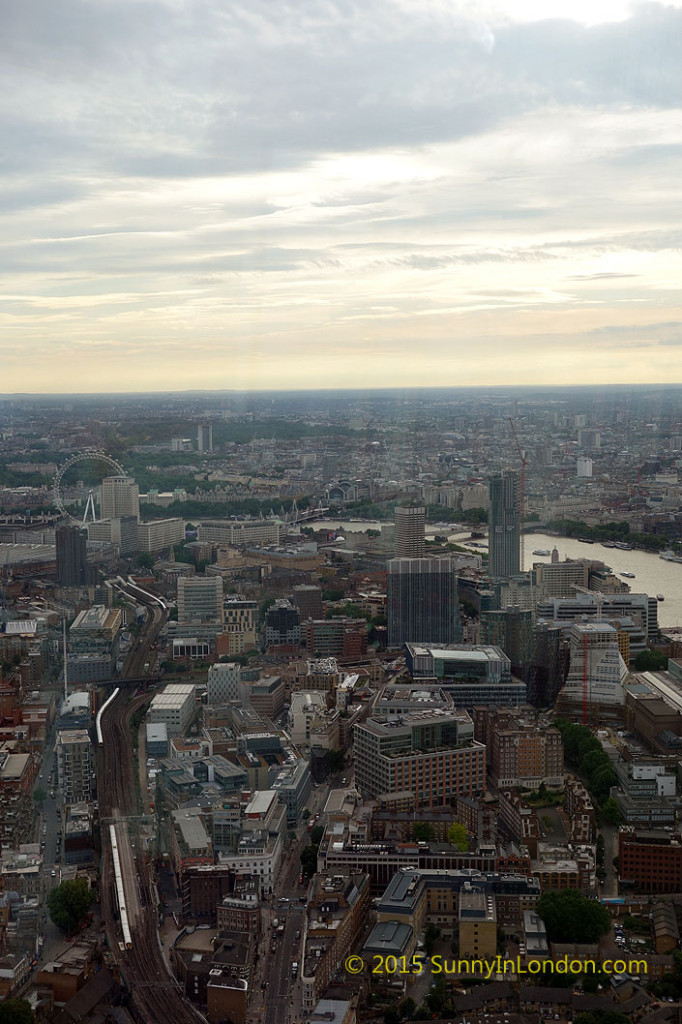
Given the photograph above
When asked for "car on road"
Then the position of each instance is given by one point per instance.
(53, 873)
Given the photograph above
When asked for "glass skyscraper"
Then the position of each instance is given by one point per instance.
(422, 604)
(504, 525)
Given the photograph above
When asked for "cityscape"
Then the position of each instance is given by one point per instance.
(340, 512)
(342, 705)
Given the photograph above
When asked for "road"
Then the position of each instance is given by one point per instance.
(277, 997)
(50, 819)
(610, 834)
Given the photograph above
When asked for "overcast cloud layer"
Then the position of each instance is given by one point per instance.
(259, 194)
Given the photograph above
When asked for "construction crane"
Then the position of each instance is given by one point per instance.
(522, 488)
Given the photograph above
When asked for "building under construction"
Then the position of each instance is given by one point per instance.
(593, 693)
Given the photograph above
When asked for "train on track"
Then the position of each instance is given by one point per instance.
(120, 894)
(98, 720)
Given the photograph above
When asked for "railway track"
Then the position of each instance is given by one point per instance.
(156, 996)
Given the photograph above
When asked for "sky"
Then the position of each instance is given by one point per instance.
(258, 194)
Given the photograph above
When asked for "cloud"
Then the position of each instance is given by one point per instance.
(383, 177)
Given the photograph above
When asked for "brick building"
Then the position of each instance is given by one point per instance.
(650, 860)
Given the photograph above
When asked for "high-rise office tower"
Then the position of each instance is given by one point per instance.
(75, 765)
(410, 525)
(421, 601)
(205, 437)
(504, 525)
(71, 546)
(282, 625)
(120, 497)
(308, 599)
(200, 600)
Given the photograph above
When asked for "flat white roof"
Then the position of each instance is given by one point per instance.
(172, 697)
(156, 731)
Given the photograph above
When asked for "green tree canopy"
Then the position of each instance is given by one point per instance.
(309, 860)
(612, 811)
(422, 831)
(651, 661)
(457, 836)
(39, 795)
(144, 560)
(16, 1011)
(407, 1007)
(571, 917)
(601, 1017)
(68, 904)
(335, 761)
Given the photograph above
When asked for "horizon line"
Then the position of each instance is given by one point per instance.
(639, 385)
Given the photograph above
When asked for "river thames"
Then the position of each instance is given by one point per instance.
(652, 574)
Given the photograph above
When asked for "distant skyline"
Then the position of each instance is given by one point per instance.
(325, 194)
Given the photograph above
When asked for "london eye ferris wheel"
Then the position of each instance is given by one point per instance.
(91, 455)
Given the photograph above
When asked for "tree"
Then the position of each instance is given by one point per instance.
(571, 917)
(601, 1017)
(593, 761)
(601, 782)
(651, 661)
(309, 861)
(457, 836)
(430, 935)
(407, 1007)
(612, 812)
(316, 835)
(69, 903)
(16, 1011)
(422, 831)
(437, 999)
(39, 795)
(144, 560)
(334, 760)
